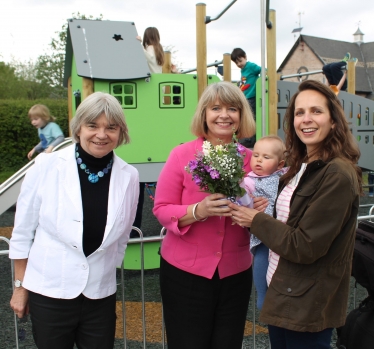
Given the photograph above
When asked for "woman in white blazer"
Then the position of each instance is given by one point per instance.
(73, 220)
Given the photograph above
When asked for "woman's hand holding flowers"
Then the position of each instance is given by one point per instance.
(213, 205)
(242, 215)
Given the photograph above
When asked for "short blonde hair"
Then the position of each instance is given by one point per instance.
(92, 108)
(41, 111)
(228, 94)
(279, 146)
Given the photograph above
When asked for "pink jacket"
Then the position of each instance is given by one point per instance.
(202, 246)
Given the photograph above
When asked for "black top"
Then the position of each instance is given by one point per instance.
(94, 200)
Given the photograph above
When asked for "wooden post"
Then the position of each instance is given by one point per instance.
(227, 67)
(70, 103)
(201, 47)
(272, 75)
(87, 87)
(166, 68)
(351, 78)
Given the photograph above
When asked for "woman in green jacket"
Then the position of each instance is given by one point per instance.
(313, 230)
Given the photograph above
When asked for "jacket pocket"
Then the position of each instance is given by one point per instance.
(291, 286)
(295, 300)
(185, 253)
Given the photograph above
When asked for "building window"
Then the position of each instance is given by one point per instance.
(125, 94)
(171, 95)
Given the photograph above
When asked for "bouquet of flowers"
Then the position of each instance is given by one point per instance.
(219, 169)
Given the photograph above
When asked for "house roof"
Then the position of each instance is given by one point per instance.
(105, 50)
(328, 50)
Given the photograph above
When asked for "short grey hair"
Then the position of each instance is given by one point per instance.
(93, 107)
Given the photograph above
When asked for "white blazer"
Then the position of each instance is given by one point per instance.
(48, 228)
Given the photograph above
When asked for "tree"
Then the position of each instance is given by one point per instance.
(26, 73)
(173, 51)
(10, 84)
(50, 66)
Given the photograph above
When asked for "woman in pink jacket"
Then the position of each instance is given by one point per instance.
(205, 274)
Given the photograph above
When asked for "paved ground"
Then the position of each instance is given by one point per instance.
(150, 227)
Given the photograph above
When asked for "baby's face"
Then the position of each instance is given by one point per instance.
(265, 159)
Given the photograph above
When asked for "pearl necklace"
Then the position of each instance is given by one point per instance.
(92, 177)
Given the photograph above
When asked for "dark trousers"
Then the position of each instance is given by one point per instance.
(203, 313)
(334, 73)
(281, 338)
(59, 323)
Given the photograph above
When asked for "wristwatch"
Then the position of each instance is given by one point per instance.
(18, 283)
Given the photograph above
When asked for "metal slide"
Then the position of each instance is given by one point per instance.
(10, 189)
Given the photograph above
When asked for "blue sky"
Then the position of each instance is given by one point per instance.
(27, 26)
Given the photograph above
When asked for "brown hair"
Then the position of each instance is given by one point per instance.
(228, 94)
(41, 111)
(340, 142)
(152, 37)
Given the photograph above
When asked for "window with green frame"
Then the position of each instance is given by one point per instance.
(125, 92)
(171, 95)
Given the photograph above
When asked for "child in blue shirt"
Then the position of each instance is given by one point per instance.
(250, 73)
(49, 132)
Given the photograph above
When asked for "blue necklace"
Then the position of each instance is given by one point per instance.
(92, 177)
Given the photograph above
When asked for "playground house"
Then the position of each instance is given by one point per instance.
(106, 56)
(310, 53)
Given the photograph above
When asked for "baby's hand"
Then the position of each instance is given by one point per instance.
(260, 203)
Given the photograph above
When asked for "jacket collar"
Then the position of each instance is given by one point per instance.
(69, 181)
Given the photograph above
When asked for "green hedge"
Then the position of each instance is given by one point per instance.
(18, 136)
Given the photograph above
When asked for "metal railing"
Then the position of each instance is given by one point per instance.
(142, 240)
(215, 64)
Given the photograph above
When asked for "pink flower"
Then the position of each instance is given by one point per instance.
(214, 174)
(241, 148)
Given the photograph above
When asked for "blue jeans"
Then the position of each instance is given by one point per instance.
(260, 267)
(280, 338)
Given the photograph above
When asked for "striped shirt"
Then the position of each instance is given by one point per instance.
(283, 210)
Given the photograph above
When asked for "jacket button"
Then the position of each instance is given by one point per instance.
(221, 233)
(218, 254)
(174, 219)
(289, 290)
(84, 266)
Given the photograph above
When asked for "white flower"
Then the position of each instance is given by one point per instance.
(207, 147)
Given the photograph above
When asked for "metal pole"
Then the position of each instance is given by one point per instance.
(6, 252)
(301, 74)
(208, 19)
(216, 63)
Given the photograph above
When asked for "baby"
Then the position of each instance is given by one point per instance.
(267, 167)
